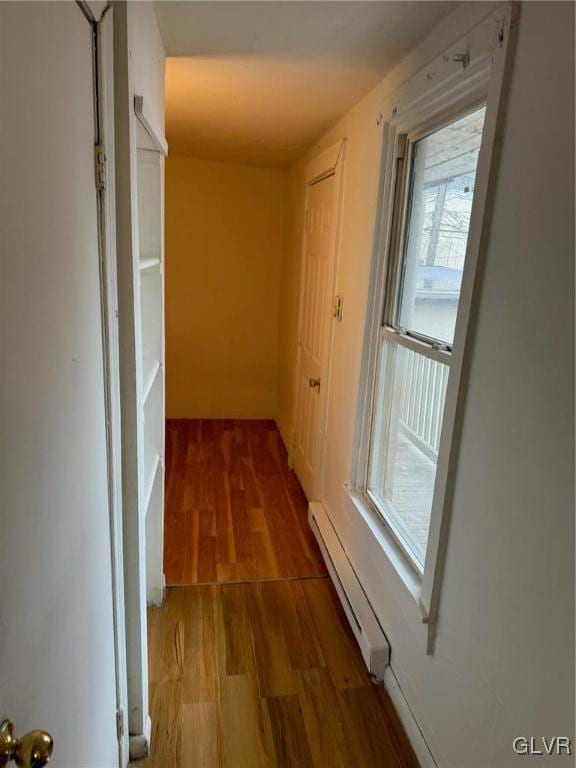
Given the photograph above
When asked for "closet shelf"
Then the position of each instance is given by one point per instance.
(156, 461)
(150, 369)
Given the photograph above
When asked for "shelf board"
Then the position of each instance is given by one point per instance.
(150, 369)
(149, 263)
(156, 461)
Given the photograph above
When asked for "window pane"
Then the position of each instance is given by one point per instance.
(405, 438)
(440, 204)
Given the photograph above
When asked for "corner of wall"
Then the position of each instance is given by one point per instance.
(289, 295)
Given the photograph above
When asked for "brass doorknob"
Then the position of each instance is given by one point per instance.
(33, 750)
(314, 383)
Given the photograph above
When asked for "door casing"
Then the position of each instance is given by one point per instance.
(104, 108)
(329, 163)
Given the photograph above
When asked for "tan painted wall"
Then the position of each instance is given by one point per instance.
(223, 259)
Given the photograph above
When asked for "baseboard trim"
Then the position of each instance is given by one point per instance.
(363, 621)
(156, 596)
(413, 732)
(139, 743)
(366, 627)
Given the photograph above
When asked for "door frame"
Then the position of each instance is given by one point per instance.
(132, 122)
(138, 723)
(109, 281)
(328, 163)
(101, 24)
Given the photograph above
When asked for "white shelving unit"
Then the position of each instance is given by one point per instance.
(149, 286)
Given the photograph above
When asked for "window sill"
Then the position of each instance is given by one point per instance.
(383, 511)
(387, 543)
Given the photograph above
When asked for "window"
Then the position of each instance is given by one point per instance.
(431, 218)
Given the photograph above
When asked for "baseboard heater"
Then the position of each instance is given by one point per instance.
(365, 626)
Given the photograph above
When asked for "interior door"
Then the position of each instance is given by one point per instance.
(57, 646)
(315, 319)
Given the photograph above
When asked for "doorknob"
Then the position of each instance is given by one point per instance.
(33, 750)
(314, 383)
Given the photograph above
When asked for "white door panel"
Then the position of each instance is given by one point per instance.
(316, 292)
(56, 614)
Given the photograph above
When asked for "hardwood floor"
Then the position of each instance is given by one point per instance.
(234, 511)
(253, 664)
(264, 674)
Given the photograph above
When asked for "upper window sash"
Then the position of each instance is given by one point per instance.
(404, 186)
(393, 279)
(399, 211)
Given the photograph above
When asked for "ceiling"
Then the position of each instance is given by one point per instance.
(259, 82)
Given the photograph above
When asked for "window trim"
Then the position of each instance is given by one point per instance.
(418, 109)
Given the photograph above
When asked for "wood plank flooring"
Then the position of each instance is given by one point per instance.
(252, 661)
(264, 674)
(234, 510)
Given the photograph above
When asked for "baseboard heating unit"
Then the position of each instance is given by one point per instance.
(365, 626)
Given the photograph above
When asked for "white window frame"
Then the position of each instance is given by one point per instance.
(471, 73)
(390, 330)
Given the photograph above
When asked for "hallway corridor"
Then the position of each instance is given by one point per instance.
(252, 661)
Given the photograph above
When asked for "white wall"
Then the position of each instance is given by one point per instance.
(147, 58)
(56, 622)
(504, 660)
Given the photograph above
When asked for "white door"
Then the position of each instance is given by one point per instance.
(57, 647)
(315, 319)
